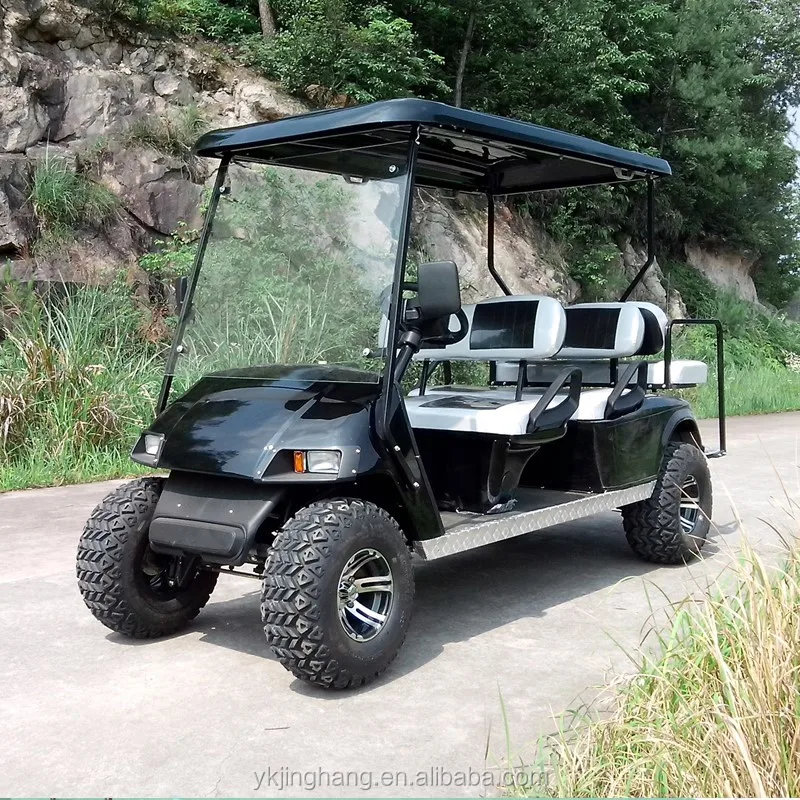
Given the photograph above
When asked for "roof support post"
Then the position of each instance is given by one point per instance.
(490, 245)
(651, 254)
(177, 340)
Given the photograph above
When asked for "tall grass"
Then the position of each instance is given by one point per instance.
(716, 713)
(77, 380)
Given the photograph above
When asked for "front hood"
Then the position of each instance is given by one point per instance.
(233, 424)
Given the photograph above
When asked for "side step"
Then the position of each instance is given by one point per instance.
(478, 530)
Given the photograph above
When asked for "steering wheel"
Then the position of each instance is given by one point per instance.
(450, 337)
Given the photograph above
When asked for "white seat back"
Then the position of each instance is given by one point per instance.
(602, 331)
(517, 327)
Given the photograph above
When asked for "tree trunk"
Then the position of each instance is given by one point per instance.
(462, 61)
(267, 19)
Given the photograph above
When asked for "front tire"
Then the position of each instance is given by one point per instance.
(671, 527)
(128, 587)
(338, 592)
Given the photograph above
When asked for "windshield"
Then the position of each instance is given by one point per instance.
(297, 271)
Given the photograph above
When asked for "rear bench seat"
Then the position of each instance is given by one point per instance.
(596, 332)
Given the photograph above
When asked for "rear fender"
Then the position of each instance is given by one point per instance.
(682, 427)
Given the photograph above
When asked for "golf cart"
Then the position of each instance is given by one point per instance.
(312, 421)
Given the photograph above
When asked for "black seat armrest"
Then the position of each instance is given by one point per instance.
(619, 403)
(543, 418)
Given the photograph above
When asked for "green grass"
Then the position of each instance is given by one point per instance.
(714, 713)
(65, 201)
(77, 382)
(762, 368)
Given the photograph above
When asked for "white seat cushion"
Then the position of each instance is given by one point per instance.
(491, 410)
(681, 373)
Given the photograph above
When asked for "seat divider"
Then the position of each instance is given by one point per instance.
(542, 418)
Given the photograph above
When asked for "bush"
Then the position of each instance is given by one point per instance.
(371, 56)
(225, 21)
(597, 270)
(173, 258)
(65, 201)
(210, 18)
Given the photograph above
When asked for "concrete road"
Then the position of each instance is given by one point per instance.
(539, 620)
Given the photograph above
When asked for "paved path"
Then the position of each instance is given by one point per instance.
(209, 712)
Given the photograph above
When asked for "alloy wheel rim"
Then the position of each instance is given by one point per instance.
(690, 504)
(365, 594)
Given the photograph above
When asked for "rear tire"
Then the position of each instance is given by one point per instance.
(124, 583)
(338, 592)
(671, 527)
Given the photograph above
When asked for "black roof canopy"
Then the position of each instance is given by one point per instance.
(458, 149)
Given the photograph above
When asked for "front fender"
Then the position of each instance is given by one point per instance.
(215, 518)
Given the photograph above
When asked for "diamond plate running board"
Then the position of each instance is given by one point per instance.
(488, 529)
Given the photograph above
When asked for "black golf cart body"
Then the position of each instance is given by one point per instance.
(296, 441)
(217, 455)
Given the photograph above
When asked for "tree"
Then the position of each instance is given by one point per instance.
(267, 18)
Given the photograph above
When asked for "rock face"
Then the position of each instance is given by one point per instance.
(725, 268)
(524, 257)
(70, 88)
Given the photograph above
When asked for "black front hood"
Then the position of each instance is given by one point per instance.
(234, 423)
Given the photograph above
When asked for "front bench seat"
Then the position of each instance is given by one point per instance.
(516, 327)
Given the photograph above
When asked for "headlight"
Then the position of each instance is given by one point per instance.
(153, 443)
(327, 461)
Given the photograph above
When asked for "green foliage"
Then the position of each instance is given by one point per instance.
(704, 83)
(65, 201)
(223, 20)
(210, 18)
(366, 54)
(597, 270)
(760, 349)
(172, 258)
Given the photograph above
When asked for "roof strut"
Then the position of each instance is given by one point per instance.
(651, 255)
(490, 246)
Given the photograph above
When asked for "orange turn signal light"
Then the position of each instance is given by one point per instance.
(299, 461)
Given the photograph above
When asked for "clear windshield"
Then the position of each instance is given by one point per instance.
(297, 271)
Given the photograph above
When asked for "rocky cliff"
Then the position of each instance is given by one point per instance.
(76, 90)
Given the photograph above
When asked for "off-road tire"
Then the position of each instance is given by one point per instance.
(653, 526)
(109, 561)
(299, 599)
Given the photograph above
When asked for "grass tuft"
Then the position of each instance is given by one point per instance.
(65, 201)
(715, 714)
(173, 135)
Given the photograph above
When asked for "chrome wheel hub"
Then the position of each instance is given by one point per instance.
(365, 595)
(690, 504)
